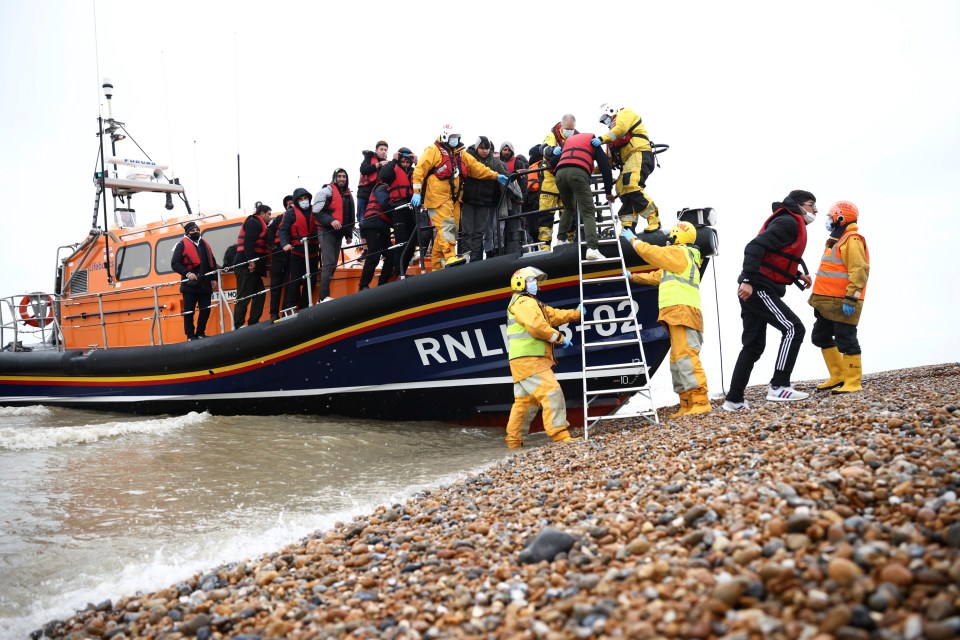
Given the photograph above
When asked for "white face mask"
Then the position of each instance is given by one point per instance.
(566, 132)
(532, 287)
(304, 204)
(453, 141)
(808, 217)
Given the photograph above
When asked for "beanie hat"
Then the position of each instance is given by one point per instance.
(190, 226)
(535, 153)
(800, 196)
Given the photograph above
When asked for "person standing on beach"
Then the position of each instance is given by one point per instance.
(678, 283)
(837, 298)
(771, 261)
(531, 338)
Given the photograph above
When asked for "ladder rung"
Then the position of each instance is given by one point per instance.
(611, 343)
(604, 279)
(610, 321)
(601, 300)
(603, 260)
(613, 416)
(621, 390)
(622, 365)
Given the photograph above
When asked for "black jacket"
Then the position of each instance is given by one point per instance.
(781, 232)
(483, 193)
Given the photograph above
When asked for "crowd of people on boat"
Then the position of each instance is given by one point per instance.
(480, 200)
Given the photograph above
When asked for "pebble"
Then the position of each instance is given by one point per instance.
(836, 517)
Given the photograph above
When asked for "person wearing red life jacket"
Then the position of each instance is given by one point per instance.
(298, 238)
(438, 185)
(279, 261)
(375, 228)
(251, 244)
(397, 176)
(573, 170)
(373, 162)
(193, 260)
(771, 261)
(837, 299)
(335, 212)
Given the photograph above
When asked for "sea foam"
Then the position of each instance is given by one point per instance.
(19, 438)
(33, 410)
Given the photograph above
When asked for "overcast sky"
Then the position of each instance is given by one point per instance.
(849, 100)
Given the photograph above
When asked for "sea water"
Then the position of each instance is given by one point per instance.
(95, 505)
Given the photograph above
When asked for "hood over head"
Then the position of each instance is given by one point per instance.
(333, 177)
(298, 193)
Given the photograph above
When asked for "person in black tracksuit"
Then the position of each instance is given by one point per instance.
(193, 260)
(252, 243)
(375, 229)
(770, 262)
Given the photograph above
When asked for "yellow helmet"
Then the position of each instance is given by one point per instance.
(683, 233)
(518, 281)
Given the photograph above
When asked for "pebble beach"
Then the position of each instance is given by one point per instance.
(836, 517)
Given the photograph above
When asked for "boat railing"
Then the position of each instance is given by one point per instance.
(29, 316)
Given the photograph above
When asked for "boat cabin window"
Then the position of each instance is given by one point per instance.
(133, 261)
(219, 239)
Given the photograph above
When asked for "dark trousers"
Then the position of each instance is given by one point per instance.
(404, 223)
(296, 292)
(759, 310)
(279, 268)
(191, 299)
(827, 333)
(249, 294)
(473, 225)
(330, 243)
(574, 186)
(531, 223)
(378, 246)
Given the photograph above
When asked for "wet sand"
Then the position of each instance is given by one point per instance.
(836, 517)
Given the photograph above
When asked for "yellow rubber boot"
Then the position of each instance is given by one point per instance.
(684, 405)
(852, 374)
(653, 221)
(834, 366)
(699, 402)
(545, 238)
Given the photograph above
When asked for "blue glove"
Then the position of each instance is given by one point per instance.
(628, 235)
(596, 141)
(567, 342)
(580, 308)
(849, 309)
(503, 180)
(416, 200)
(626, 274)
(556, 151)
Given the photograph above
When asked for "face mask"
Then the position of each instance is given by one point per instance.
(808, 217)
(828, 224)
(453, 141)
(566, 132)
(194, 235)
(304, 204)
(532, 287)
(608, 121)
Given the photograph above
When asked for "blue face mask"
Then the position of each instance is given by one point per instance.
(453, 141)
(532, 287)
(828, 223)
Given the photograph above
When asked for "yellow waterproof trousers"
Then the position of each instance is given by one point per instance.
(685, 367)
(545, 220)
(529, 395)
(446, 220)
(631, 187)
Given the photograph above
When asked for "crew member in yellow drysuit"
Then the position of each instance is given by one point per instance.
(679, 301)
(438, 184)
(631, 152)
(531, 338)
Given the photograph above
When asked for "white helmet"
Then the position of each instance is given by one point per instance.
(607, 110)
(447, 131)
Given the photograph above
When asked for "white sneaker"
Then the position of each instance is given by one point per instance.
(593, 254)
(735, 406)
(785, 394)
(327, 299)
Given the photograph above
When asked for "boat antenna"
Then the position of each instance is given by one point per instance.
(196, 168)
(236, 87)
(108, 92)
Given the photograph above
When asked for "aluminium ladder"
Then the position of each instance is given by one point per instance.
(628, 374)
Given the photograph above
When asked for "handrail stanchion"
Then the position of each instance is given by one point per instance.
(222, 301)
(306, 258)
(103, 321)
(156, 316)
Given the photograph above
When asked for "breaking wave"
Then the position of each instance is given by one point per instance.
(20, 438)
(33, 410)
